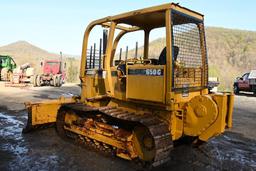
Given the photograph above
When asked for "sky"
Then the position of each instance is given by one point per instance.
(59, 25)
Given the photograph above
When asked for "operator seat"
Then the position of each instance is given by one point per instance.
(162, 57)
(122, 68)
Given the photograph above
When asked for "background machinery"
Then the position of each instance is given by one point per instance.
(23, 74)
(136, 108)
(7, 65)
(52, 74)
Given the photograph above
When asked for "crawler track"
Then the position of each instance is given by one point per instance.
(157, 128)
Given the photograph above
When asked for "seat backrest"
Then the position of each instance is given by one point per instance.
(122, 68)
(162, 57)
(176, 52)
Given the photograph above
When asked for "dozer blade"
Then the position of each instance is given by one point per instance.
(43, 114)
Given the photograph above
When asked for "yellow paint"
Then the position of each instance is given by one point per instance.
(201, 112)
(46, 111)
(230, 110)
(177, 120)
(218, 126)
(145, 87)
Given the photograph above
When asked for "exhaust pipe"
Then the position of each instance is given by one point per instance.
(126, 53)
(105, 40)
(60, 62)
(100, 54)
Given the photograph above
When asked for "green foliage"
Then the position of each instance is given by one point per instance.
(214, 71)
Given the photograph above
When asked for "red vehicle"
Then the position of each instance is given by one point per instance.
(246, 83)
(53, 74)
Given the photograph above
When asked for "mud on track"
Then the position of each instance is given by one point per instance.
(44, 150)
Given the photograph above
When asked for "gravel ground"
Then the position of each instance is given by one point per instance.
(44, 150)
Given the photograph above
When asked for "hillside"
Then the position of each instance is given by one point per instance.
(230, 52)
(24, 52)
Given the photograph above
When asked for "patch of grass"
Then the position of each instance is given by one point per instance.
(214, 71)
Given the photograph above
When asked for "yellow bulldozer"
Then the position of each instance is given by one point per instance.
(136, 108)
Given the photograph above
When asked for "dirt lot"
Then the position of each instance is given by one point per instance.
(44, 150)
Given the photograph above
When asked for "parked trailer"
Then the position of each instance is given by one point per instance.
(23, 74)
